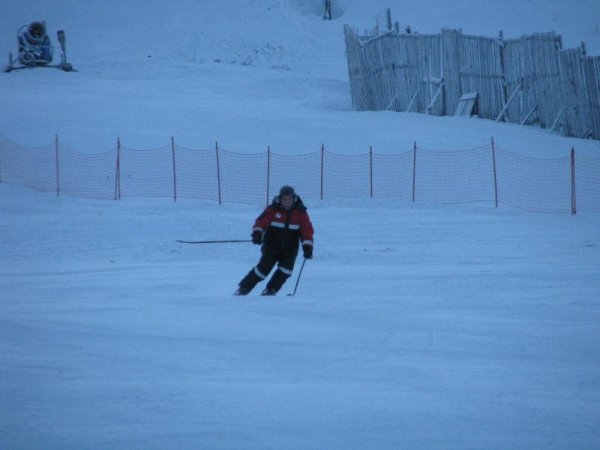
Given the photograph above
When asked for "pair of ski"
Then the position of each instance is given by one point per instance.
(291, 294)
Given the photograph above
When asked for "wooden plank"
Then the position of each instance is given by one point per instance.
(466, 104)
(451, 68)
(562, 110)
(528, 115)
(508, 103)
(412, 100)
(435, 97)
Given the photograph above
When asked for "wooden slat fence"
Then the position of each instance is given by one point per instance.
(529, 80)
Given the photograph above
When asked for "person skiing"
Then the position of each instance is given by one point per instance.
(279, 229)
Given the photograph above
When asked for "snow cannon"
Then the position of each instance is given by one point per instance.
(36, 50)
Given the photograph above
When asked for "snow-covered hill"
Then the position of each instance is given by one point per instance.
(249, 75)
(415, 326)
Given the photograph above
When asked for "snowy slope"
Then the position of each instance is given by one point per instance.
(413, 327)
(449, 327)
(249, 75)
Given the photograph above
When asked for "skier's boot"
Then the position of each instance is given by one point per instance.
(275, 282)
(242, 291)
(268, 291)
(248, 282)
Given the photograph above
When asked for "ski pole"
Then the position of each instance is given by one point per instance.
(298, 280)
(214, 242)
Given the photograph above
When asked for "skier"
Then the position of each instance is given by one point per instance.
(279, 229)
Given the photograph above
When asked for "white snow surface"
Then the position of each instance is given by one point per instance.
(415, 326)
(251, 75)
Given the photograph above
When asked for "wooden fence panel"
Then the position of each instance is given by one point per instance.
(526, 80)
(407, 71)
(375, 75)
(451, 70)
(429, 73)
(531, 64)
(481, 72)
(359, 85)
(546, 83)
(573, 89)
(517, 82)
(591, 68)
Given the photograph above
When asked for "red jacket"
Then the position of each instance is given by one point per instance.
(283, 229)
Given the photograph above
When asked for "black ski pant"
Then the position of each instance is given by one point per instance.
(267, 261)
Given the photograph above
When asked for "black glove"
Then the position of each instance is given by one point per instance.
(256, 237)
(307, 249)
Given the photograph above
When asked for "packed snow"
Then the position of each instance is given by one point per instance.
(415, 325)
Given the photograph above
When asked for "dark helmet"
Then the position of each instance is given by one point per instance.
(287, 190)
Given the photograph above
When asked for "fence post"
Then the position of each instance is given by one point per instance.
(57, 169)
(371, 169)
(218, 172)
(174, 169)
(322, 171)
(118, 172)
(268, 171)
(414, 184)
(573, 191)
(495, 173)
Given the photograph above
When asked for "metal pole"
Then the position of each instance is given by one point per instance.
(414, 171)
(218, 172)
(322, 170)
(371, 169)
(268, 171)
(495, 173)
(174, 169)
(298, 280)
(118, 172)
(573, 191)
(227, 241)
(57, 169)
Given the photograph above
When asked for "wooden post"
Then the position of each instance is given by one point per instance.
(174, 169)
(414, 184)
(268, 171)
(573, 191)
(503, 70)
(118, 172)
(218, 172)
(322, 170)
(57, 169)
(371, 169)
(495, 173)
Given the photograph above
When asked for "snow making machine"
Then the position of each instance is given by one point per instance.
(36, 50)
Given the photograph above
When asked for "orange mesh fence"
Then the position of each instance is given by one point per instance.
(485, 174)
